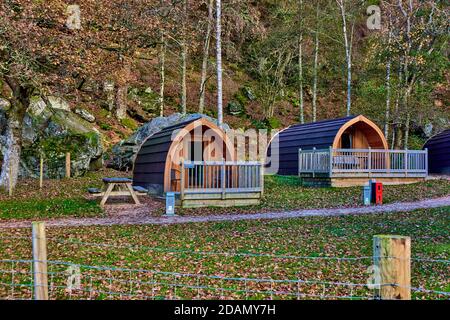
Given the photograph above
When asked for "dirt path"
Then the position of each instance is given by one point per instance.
(140, 217)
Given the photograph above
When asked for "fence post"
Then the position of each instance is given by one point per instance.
(68, 165)
(369, 162)
(39, 261)
(426, 161)
(182, 182)
(41, 172)
(392, 259)
(223, 178)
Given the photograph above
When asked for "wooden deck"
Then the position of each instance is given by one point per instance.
(345, 167)
(220, 183)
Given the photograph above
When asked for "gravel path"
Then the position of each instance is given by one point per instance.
(141, 217)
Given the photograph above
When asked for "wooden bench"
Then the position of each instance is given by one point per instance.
(111, 183)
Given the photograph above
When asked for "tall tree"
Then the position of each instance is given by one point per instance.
(348, 38)
(316, 61)
(219, 62)
(300, 62)
(209, 24)
(184, 53)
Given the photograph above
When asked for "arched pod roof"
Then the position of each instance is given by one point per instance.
(439, 153)
(320, 135)
(153, 161)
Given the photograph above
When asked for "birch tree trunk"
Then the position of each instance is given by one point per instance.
(300, 64)
(184, 60)
(316, 60)
(406, 87)
(219, 61)
(162, 66)
(348, 55)
(201, 104)
(388, 83)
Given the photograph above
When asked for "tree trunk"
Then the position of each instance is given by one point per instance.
(121, 102)
(316, 60)
(184, 61)
(300, 65)
(348, 55)
(388, 84)
(219, 62)
(162, 66)
(11, 157)
(201, 104)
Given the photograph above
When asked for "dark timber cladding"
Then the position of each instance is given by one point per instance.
(149, 167)
(439, 153)
(319, 135)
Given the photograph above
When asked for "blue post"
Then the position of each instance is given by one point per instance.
(367, 195)
(170, 204)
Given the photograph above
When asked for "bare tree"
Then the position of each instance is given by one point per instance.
(184, 59)
(388, 80)
(219, 62)
(300, 63)
(348, 52)
(162, 72)
(316, 60)
(201, 104)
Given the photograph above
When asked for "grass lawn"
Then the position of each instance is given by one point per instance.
(178, 248)
(287, 193)
(58, 198)
(68, 198)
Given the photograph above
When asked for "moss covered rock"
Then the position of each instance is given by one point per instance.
(52, 133)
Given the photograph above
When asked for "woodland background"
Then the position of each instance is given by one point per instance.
(284, 62)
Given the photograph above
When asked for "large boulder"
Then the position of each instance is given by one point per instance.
(52, 132)
(124, 153)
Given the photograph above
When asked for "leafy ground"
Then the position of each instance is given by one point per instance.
(287, 193)
(68, 198)
(205, 249)
(57, 198)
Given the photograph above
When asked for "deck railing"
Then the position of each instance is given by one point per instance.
(364, 162)
(222, 176)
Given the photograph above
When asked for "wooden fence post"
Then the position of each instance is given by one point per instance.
(392, 259)
(68, 165)
(40, 261)
(41, 172)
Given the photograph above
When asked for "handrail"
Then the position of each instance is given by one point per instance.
(371, 162)
(223, 176)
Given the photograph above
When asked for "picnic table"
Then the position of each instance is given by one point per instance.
(110, 184)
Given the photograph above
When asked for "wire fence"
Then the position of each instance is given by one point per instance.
(202, 274)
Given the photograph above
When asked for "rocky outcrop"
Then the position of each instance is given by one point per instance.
(52, 132)
(124, 153)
